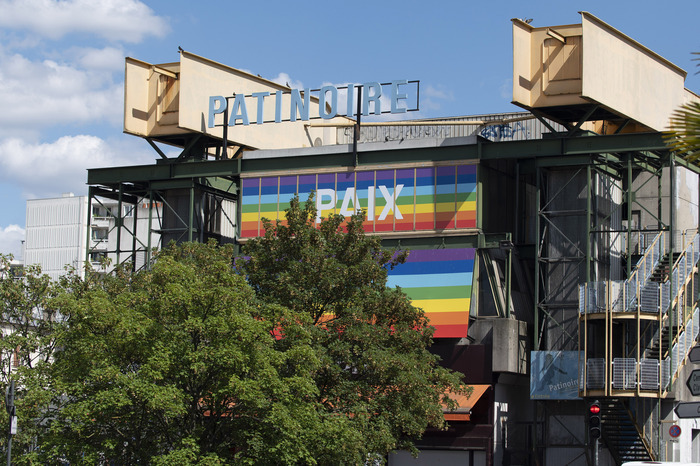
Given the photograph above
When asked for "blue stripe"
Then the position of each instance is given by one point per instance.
(269, 190)
(254, 191)
(466, 188)
(425, 190)
(284, 199)
(429, 280)
(248, 200)
(446, 189)
(433, 267)
(269, 198)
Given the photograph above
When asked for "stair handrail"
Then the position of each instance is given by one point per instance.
(646, 264)
(631, 419)
(686, 259)
(640, 432)
(685, 340)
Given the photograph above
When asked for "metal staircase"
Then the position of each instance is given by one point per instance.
(661, 296)
(620, 433)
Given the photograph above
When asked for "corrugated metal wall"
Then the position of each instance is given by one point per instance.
(525, 129)
(564, 230)
(56, 233)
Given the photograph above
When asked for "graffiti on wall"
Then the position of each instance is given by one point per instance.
(505, 131)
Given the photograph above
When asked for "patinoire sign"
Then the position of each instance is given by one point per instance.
(376, 98)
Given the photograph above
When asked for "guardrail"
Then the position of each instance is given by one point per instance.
(640, 294)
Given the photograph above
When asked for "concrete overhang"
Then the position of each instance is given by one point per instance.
(591, 72)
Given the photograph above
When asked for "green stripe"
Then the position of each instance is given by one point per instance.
(425, 199)
(464, 197)
(445, 198)
(439, 292)
(250, 208)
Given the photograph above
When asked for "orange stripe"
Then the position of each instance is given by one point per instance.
(448, 318)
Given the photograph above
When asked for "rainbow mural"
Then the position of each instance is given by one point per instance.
(440, 282)
(394, 200)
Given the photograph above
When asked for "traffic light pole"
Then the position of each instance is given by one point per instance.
(595, 453)
(594, 427)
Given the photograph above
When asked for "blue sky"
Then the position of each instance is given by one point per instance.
(62, 65)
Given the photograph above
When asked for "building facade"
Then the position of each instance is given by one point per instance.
(70, 231)
(554, 250)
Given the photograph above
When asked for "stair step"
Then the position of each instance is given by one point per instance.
(619, 432)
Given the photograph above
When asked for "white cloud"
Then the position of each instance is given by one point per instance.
(432, 97)
(11, 238)
(108, 58)
(123, 20)
(40, 94)
(49, 169)
(285, 80)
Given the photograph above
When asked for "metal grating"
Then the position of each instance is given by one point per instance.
(666, 372)
(649, 374)
(596, 373)
(624, 373)
(674, 359)
(650, 298)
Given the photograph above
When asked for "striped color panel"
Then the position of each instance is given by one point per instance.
(440, 282)
(432, 198)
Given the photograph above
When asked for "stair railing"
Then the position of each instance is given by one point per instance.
(639, 291)
(643, 270)
(592, 296)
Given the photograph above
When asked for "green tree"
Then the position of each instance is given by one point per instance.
(377, 381)
(180, 364)
(684, 134)
(30, 327)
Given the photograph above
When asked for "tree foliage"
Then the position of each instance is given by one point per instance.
(30, 330)
(376, 375)
(685, 131)
(684, 135)
(301, 355)
(178, 365)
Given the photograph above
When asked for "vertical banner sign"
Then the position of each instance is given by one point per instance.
(554, 375)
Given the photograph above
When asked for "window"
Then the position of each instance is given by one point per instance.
(97, 256)
(100, 234)
(100, 211)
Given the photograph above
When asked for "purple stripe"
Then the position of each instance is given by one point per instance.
(383, 175)
(288, 181)
(425, 172)
(269, 181)
(466, 169)
(346, 178)
(307, 179)
(365, 176)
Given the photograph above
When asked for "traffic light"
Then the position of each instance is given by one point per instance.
(594, 420)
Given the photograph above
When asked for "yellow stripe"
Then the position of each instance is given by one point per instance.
(425, 209)
(249, 217)
(450, 206)
(466, 206)
(442, 305)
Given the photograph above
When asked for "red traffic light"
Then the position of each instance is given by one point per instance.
(594, 409)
